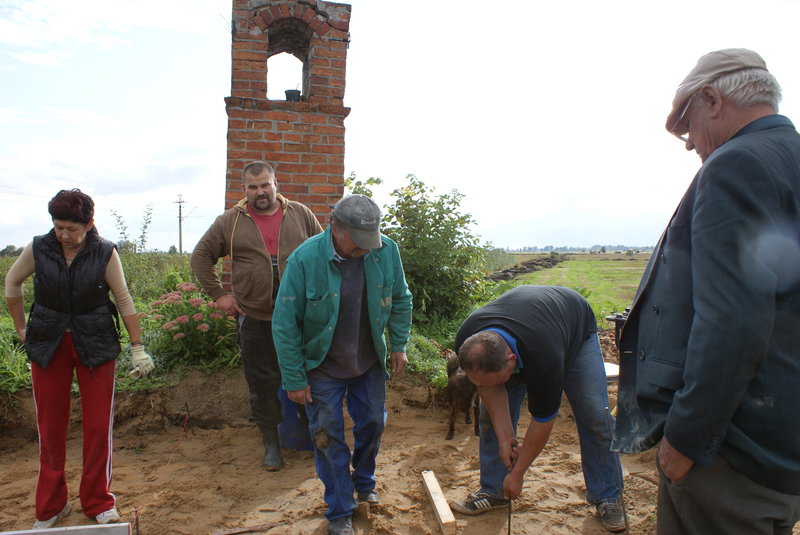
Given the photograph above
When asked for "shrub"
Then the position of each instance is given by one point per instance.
(183, 325)
(443, 261)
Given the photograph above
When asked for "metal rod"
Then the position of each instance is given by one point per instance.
(509, 517)
(618, 471)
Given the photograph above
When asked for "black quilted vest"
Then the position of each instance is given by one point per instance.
(74, 298)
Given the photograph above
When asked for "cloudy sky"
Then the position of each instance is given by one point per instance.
(548, 116)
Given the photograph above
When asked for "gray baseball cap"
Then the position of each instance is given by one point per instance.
(709, 68)
(363, 217)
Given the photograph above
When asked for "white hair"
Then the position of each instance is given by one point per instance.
(749, 87)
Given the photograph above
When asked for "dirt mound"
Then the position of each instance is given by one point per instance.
(529, 266)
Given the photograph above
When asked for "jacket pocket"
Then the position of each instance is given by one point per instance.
(319, 307)
(660, 379)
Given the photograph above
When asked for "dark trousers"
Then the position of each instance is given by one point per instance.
(718, 499)
(261, 371)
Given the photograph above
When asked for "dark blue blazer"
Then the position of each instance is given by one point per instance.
(710, 353)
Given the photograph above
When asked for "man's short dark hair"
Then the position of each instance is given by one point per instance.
(484, 351)
(256, 168)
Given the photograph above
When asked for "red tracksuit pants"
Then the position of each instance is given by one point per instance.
(51, 393)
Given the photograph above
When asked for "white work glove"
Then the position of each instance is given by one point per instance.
(141, 362)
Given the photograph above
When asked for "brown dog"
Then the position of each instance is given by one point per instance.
(461, 394)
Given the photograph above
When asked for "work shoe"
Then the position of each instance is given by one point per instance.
(272, 450)
(369, 496)
(611, 516)
(50, 522)
(108, 517)
(478, 503)
(341, 526)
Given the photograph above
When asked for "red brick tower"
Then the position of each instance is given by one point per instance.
(303, 140)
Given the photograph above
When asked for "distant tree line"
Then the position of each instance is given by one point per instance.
(11, 250)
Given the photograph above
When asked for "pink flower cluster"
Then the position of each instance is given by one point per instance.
(186, 287)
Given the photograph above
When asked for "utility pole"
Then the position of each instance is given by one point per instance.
(180, 202)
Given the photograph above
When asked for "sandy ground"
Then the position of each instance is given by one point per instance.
(187, 461)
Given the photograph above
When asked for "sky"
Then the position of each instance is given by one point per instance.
(547, 116)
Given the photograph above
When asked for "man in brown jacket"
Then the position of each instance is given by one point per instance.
(258, 234)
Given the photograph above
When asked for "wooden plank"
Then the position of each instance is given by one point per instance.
(100, 529)
(447, 522)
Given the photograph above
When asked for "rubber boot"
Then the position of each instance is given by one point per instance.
(272, 450)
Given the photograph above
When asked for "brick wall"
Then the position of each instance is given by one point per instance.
(303, 140)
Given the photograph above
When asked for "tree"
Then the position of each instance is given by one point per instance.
(443, 261)
(11, 250)
(362, 187)
(125, 243)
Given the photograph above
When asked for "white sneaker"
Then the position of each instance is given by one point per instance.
(50, 522)
(108, 517)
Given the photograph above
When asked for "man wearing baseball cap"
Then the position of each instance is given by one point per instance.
(710, 353)
(340, 291)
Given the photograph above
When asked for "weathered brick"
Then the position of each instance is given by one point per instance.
(324, 188)
(247, 55)
(330, 149)
(325, 129)
(239, 113)
(249, 65)
(264, 146)
(295, 168)
(313, 118)
(284, 157)
(243, 155)
(281, 116)
(296, 147)
(293, 138)
(293, 188)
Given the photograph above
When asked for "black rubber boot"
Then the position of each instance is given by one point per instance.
(272, 450)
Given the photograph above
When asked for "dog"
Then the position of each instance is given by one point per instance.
(462, 395)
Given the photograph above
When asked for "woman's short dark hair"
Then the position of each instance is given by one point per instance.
(71, 205)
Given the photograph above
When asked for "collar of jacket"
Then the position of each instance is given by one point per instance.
(242, 204)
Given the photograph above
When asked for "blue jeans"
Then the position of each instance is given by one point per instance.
(585, 387)
(366, 403)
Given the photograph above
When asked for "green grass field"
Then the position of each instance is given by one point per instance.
(608, 281)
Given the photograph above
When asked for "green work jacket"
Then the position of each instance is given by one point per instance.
(307, 306)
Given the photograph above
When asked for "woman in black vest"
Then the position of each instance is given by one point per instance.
(72, 329)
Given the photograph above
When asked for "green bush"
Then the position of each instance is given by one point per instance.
(443, 261)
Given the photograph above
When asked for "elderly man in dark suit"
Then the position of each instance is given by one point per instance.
(711, 349)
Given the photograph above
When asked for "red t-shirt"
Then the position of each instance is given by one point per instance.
(270, 226)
